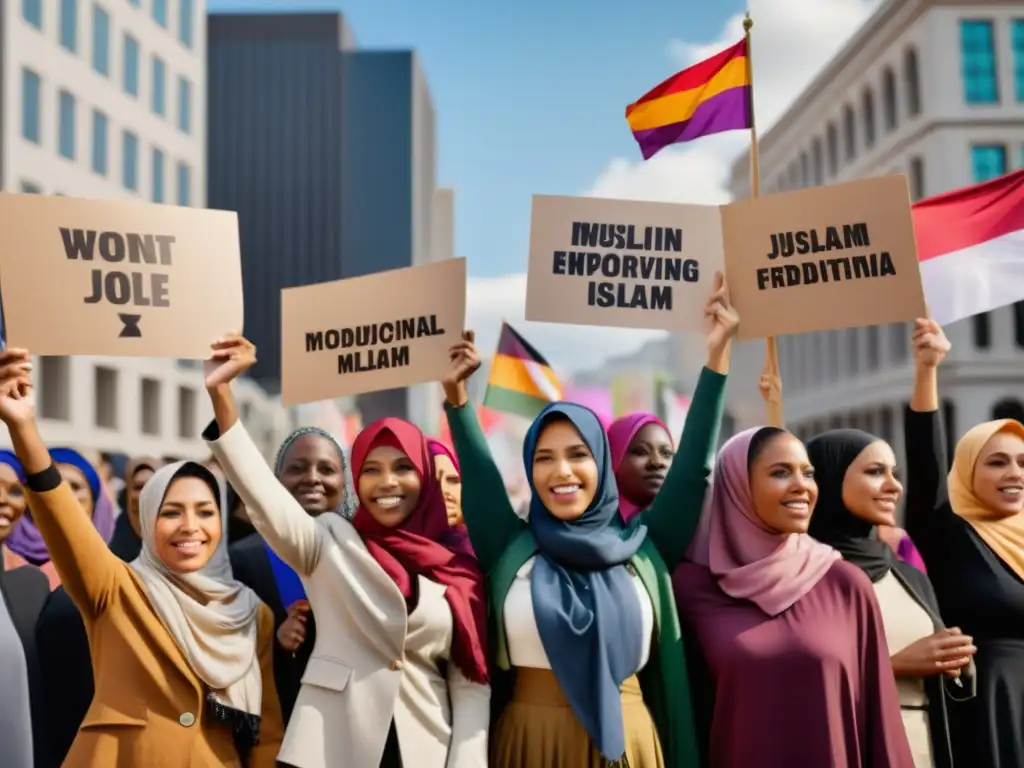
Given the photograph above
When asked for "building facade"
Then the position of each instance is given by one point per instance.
(107, 99)
(327, 152)
(934, 90)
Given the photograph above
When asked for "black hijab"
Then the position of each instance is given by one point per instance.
(831, 453)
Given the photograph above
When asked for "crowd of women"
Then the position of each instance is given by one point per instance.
(658, 604)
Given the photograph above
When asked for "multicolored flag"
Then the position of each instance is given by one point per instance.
(522, 381)
(712, 96)
(970, 245)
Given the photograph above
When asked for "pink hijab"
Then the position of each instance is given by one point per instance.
(750, 560)
(620, 435)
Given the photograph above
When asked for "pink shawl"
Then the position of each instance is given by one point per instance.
(750, 560)
(620, 435)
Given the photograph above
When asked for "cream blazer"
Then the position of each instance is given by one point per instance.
(372, 661)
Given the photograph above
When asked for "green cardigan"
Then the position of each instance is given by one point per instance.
(503, 543)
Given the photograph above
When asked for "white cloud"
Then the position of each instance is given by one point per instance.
(568, 348)
(791, 41)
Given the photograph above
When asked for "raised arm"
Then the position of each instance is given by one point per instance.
(89, 571)
(486, 509)
(928, 514)
(673, 516)
(274, 512)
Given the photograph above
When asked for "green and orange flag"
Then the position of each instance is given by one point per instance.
(521, 381)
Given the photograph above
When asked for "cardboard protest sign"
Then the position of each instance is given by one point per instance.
(383, 331)
(110, 277)
(820, 259)
(621, 263)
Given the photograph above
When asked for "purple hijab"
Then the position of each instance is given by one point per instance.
(26, 540)
(908, 553)
(620, 435)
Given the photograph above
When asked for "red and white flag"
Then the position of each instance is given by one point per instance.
(970, 244)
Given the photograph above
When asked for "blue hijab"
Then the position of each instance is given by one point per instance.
(584, 601)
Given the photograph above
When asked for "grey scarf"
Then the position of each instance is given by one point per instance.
(15, 708)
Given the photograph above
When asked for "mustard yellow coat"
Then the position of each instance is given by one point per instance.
(149, 708)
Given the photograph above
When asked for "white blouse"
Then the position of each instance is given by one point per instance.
(525, 648)
(906, 622)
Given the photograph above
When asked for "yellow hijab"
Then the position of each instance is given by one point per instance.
(1003, 535)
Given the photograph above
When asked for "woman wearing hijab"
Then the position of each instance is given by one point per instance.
(968, 523)
(449, 477)
(858, 491)
(26, 540)
(23, 592)
(582, 605)
(312, 467)
(642, 453)
(181, 651)
(126, 542)
(794, 651)
(398, 675)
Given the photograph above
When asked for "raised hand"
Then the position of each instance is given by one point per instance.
(930, 343)
(17, 398)
(724, 320)
(232, 356)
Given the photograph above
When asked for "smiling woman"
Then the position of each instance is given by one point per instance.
(168, 632)
(399, 671)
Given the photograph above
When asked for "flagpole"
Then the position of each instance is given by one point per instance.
(771, 362)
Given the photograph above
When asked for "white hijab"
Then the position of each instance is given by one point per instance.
(218, 637)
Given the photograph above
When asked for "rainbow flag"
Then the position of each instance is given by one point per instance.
(710, 97)
(521, 381)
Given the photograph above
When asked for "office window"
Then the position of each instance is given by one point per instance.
(1017, 41)
(850, 132)
(978, 62)
(988, 161)
(99, 142)
(150, 401)
(131, 65)
(805, 170)
(1018, 324)
(184, 184)
(184, 105)
(817, 163)
(981, 328)
(868, 110)
(832, 141)
(186, 22)
(159, 86)
(794, 175)
(916, 178)
(160, 12)
(899, 342)
(101, 41)
(912, 82)
(32, 12)
(30, 87)
(130, 160)
(187, 413)
(105, 380)
(158, 176)
(69, 25)
(55, 388)
(889, 101)
(66, 125)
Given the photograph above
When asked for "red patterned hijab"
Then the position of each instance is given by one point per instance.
(424, 545)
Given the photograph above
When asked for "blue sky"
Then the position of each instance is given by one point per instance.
(529, 95)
